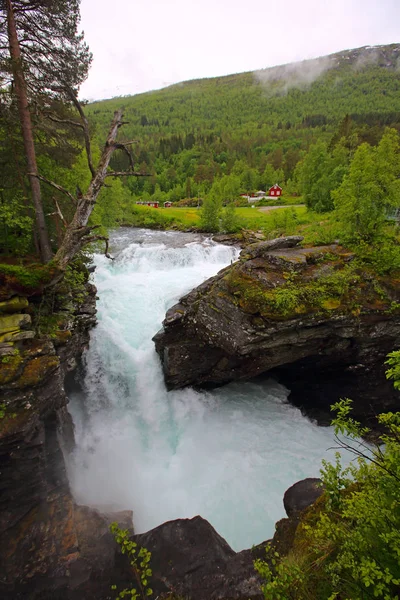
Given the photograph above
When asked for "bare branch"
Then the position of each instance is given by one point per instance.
(85, 127)
(59, 212)
(54, 185)
(78, 233)
(125, 149)
(64, 121)
(96, 238)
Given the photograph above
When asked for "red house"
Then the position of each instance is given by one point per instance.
(275, 191)
(153, 204)
(167, 204)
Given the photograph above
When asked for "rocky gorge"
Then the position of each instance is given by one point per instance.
(330, 330)
(310, 316)
(49, 546)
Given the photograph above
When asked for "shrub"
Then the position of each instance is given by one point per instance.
(139, 561)
(348, 544)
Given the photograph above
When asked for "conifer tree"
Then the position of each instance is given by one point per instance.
(42, 58)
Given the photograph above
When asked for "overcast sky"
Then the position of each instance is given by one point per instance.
(141, 45)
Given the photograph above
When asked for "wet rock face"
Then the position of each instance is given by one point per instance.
(49, 546)
(281, 305)
(301, 495)
(190, 559)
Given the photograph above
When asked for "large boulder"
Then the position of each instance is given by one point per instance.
(301, 495)
(283, 308)
(190, 559)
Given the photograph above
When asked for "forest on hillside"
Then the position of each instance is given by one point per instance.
(257, 126)
(327, 130)
(209, 139)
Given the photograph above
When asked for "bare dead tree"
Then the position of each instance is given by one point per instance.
(78, 233)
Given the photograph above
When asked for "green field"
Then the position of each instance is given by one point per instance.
(183, 217)
(287, 220)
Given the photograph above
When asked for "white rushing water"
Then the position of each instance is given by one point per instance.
(227, 454)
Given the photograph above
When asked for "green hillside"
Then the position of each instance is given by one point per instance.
(190, 133)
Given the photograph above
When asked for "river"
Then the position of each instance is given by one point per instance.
(227, 454)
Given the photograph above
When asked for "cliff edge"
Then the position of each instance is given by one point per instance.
(49, 546)
(301, 314)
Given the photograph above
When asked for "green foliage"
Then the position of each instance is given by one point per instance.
(58, 303)
(212, 140)
(383, 255)
(394, 368)
(320, 172)
(28, 278)
(140, 563)
(348, 544)
(210, 214)
(281, 579)
(75, 279)
(230, 220)
(15, 226)
(369, 189)
(205, 130)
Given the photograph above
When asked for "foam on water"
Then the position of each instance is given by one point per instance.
(227, 455)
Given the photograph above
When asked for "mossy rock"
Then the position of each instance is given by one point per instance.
(37, 369)
(13, 322)
(27, 280)
(9, 368)
(62, 337)
(14, 304)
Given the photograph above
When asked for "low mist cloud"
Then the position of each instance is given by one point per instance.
(368, 57)
(296, 75)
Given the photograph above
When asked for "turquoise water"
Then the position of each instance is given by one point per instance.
(227, 454)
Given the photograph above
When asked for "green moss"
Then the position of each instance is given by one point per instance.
(14, 304)
(27, 279)
(37, 369)
(348, 290)
(9, 368)
(62, 337)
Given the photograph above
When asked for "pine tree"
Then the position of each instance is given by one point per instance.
(43, 58)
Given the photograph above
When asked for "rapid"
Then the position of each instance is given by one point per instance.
(227, 454)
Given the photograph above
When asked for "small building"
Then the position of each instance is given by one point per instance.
(275, 191)
(260, 195)
(167, 204)
(147, 203)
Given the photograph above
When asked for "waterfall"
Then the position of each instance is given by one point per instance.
(227, 454)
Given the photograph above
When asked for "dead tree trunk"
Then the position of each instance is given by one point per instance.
(26, 126)
(78, 233)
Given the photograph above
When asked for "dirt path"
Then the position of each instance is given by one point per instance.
(268, 208)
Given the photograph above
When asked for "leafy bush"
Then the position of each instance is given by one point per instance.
(210, 214)
(347, 545)
(139, 561)
(15, 227)
(230, 222)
